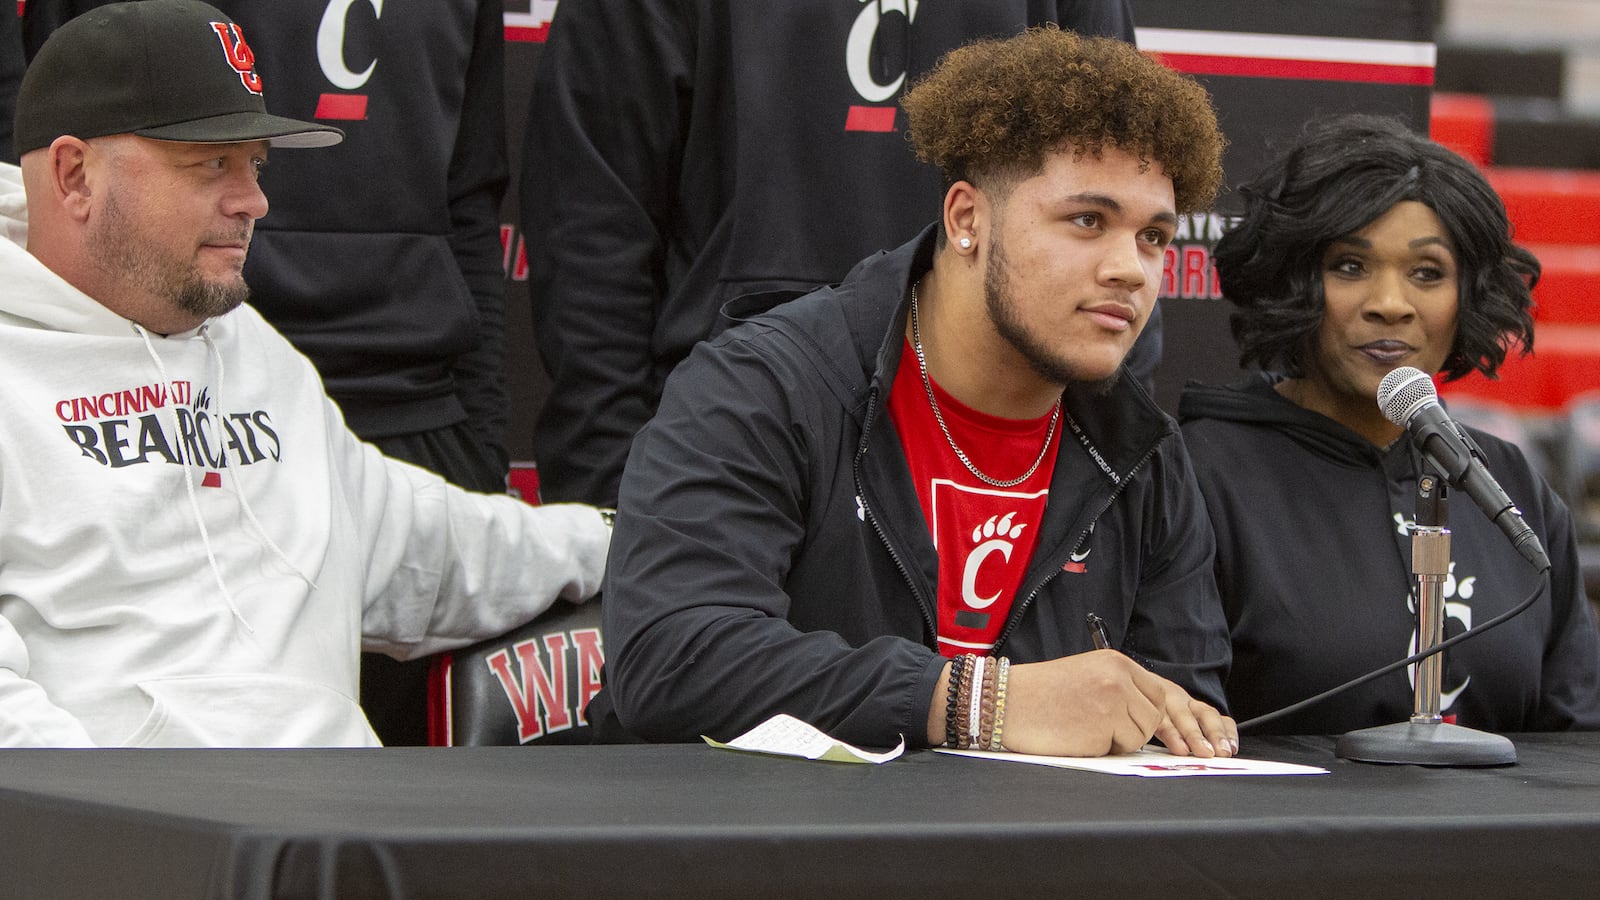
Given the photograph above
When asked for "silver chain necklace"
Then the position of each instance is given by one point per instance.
(927, 385)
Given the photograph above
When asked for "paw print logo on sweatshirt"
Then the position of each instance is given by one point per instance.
(1456, 591)
(1460, 590)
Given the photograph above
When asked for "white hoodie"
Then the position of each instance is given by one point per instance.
(193, 547)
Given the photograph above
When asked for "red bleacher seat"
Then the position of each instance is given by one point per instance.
(1550, 206)
(1566, 362)
(1465, 124)
(1556, 213)
(1568, 291)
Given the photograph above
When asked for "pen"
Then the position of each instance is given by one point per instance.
(1097, 632)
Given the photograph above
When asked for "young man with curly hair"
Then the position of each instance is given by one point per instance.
(914, 504)
(679, 155)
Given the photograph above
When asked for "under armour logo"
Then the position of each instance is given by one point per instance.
(238, 54)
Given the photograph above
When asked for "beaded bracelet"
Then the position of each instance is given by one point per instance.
(975, 701)
(951, 723)
(1000, 703)
(964, 699)
(985, 729)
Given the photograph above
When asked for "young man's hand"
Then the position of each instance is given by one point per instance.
(1096, 703)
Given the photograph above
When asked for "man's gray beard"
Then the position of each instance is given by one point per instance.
(124, 256)
(1002, 312)
(206, 300)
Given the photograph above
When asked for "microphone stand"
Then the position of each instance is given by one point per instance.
(1426, 739)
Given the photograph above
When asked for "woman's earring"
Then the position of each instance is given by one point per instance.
(966, 243)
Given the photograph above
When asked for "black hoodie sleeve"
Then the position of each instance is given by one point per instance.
(12, 64)
(604, 139)
(477, 182)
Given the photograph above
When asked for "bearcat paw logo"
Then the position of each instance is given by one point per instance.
(1002, 527)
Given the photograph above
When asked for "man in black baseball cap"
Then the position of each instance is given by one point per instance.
(172, 70)
(141, 130)
(198, 547)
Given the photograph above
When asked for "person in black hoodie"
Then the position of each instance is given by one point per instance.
(12, 63)
(381, 259)
(679, 155)
(858, 507)
(1362, 249)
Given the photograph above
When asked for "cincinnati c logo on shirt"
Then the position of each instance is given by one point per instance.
(990, 537)
(858, 62)
(238, 54)
(858, 49)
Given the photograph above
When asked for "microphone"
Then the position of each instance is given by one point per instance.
(1409, 400)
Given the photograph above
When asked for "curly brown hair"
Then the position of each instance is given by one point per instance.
(990, 111)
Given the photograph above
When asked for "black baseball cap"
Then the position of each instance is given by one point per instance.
(171, 70)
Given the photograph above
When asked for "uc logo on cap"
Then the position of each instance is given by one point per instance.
(239, 54)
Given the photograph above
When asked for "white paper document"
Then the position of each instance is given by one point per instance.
(1149, 762)
(784, 735)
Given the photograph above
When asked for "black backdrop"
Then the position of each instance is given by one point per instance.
(1270, 67)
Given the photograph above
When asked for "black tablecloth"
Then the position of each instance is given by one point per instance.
(691, 820)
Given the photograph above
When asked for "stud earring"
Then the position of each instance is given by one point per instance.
(966, 243)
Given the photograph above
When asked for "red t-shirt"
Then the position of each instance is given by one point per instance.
(985, 535)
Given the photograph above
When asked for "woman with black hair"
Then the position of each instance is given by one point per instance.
(1362, 249)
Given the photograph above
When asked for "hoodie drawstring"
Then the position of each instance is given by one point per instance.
(188, 482)
(244, 499)
(194, 503)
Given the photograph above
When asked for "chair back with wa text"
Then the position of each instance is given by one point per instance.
(528, 686)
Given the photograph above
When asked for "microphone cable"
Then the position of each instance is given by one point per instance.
(1541, 587)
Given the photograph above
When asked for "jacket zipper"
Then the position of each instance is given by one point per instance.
(1083, 536)
(861, 495)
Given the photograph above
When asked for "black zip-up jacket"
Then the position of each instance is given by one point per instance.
(681, 153)
(381, 257)
(771, 555)
(1314, 564)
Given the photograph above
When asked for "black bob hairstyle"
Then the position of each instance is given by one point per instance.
(1342, 174)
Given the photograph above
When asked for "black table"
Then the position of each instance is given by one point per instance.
(689, 820)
